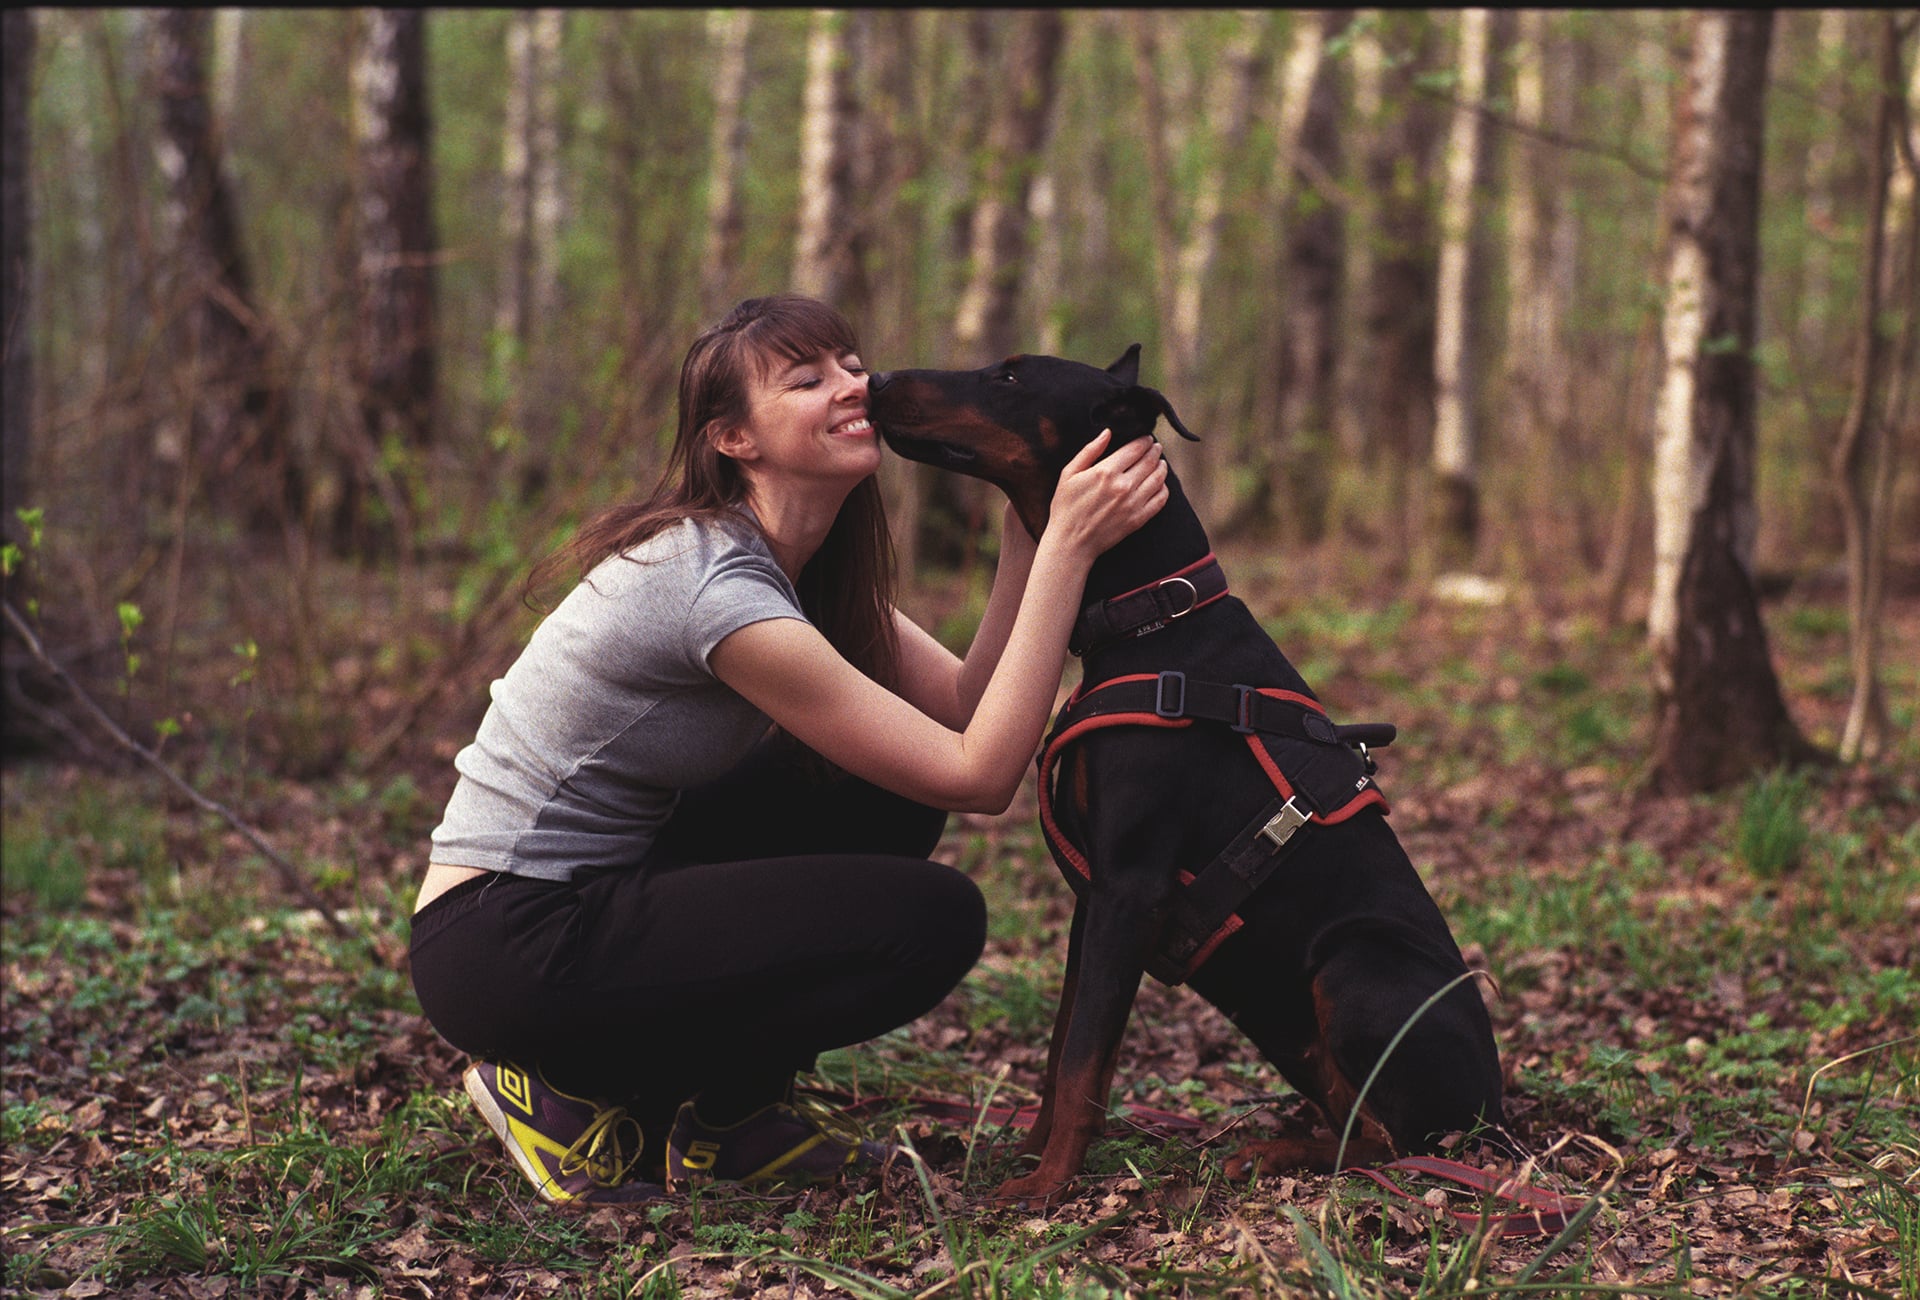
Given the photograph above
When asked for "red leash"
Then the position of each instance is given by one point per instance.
(1541, 1211)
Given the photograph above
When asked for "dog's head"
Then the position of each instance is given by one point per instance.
(1017, 422)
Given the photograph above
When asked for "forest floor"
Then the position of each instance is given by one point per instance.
(1706, 1009)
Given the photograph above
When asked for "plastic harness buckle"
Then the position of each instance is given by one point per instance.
(1178, 708)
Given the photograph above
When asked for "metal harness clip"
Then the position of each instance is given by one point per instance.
(1284, 823)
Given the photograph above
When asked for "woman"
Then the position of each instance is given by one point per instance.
(644, 912)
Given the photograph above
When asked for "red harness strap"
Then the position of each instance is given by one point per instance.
(1266, 727)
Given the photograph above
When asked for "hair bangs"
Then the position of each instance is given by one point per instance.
(790, 328)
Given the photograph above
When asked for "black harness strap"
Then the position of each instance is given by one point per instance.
(1243, 708)
(1215, 895)
(1322, 773)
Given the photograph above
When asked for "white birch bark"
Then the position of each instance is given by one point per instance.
(1368, 63)
(1864, 453)
(1719, 713)
(548, 209)
(229, 51)
(515, 289)
(727, 32)
(1455, 433)
(821, 241)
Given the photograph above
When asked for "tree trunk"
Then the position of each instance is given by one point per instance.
(1626, 537)
(16, 257)
(1863, 454)
(1395, 351)
(1456, 431)
(1540, 257)
(727, 31)
(1719, 714)
(395, 340)
(228, 432)
(891, 153)
(1310, 287)
(1816, 326)
(1186, 242)
(986, 323)
(823, 262)
(533, 204)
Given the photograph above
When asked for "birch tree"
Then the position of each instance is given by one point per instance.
(227, 429)
(1311, 276)
(1719, 713)
(727, 33)
(1863, 454)
(16, 256)
(396, 238)
(1392, 379)
(986, 322)
(824, 263)
(1541, 249)
(531, 201)
(1456, 433)
(1212, 121)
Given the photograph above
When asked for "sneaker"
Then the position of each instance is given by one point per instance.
(778, 1144)
(575, 1151)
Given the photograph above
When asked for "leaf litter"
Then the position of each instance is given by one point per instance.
(1728, 1054)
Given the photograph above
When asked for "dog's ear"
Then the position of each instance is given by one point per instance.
(1133, 411)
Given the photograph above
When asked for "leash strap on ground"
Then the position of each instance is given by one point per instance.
(1541, 1211)
(1003, 1114)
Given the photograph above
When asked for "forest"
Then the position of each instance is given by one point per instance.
(1555, 377)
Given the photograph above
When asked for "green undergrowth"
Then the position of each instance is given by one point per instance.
(1706, 1008)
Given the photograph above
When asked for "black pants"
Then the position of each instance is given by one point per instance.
(781, 914)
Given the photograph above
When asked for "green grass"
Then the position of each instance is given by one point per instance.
(1716, 989)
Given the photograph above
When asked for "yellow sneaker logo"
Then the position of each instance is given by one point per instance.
(700, 1155)
(515, 1087)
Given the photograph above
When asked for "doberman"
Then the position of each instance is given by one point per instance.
(1215, 824)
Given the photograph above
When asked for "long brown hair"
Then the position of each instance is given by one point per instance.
(847, 588)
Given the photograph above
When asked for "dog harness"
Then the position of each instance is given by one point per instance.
(1321, 773)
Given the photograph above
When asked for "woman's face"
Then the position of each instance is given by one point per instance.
(808, 420)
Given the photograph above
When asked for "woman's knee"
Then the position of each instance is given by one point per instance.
(950, 918)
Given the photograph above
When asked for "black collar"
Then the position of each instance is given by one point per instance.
(1149, 608)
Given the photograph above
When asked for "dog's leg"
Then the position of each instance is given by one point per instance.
(1036, 1139)
(1441, 1076)
(1112, 957)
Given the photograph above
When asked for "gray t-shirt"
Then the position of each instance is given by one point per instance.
(611, 710)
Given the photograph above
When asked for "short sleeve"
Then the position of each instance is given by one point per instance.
(743, 585)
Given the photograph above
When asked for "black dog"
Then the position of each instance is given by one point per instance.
(1215, 824)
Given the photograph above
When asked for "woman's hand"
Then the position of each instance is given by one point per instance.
(1100, 498)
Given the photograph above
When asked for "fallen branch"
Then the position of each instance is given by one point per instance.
(289, 873)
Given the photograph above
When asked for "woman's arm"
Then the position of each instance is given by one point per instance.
(933, 678)
(788, 670)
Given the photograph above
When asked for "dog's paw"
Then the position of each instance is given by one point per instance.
(1256, 1158)
(1036, 1191)
(1315, 1155)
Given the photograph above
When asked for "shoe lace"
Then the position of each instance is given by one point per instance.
(596, 1152)
(835, 1124)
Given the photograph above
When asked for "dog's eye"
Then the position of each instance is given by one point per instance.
(1007, 377)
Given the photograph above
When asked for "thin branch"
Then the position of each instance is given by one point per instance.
(289, 873)
(1546, 135)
